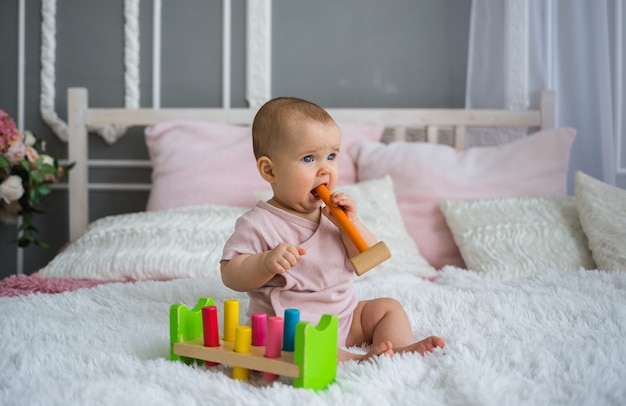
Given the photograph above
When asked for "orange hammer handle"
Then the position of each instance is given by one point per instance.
(344, 222)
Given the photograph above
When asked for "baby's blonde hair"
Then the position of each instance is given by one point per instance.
(273, 121)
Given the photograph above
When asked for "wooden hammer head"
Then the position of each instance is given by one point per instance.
(371, 257)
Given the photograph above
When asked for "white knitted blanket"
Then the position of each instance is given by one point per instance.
(554, 338)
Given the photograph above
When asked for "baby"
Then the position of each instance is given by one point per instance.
(289, 253)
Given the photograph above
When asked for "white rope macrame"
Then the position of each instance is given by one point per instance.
(48, 74)
(131, 53)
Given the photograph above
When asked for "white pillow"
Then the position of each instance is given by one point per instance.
(185, 242)
(378, 211)
(602, 211)
(518, 236)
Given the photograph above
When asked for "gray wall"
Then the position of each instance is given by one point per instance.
(338, 53)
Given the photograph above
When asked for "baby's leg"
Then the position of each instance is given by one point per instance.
(380, 320)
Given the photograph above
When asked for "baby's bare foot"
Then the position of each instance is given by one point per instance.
(383, 348)
(426, 345)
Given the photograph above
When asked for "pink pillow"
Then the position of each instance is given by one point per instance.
(353, 133)
(196, 162)
(424, 175)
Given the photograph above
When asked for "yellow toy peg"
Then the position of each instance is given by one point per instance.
(231, 319)
(243, 338)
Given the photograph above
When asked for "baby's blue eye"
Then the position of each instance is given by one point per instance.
(332, 157)
(308, 158)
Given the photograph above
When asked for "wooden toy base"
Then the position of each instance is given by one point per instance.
(225, 354)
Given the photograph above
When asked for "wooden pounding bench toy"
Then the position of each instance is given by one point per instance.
(275, 346)
(368, 257)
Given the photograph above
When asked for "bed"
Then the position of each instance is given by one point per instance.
(526, 284)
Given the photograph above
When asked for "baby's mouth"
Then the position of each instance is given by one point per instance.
(315, 194)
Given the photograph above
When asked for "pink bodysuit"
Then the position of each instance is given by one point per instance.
(320, 283)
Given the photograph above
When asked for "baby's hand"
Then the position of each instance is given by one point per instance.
(282, 258)
(345, 202)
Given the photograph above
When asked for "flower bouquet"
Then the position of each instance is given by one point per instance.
(26, 174)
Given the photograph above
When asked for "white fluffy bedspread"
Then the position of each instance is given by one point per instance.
(554, 338)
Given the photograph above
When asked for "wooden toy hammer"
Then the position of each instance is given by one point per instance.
(368, 257)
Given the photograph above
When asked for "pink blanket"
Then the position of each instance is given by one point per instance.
(18, 285)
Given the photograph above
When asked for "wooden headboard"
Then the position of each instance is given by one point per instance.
(81, 117)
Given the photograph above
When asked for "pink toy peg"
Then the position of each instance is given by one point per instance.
(258, 322)
(274, 342)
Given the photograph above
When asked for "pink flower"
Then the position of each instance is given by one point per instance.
(15, 153)
(8, 131)
(31, 154)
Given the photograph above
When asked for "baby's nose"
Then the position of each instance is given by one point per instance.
(323, 168)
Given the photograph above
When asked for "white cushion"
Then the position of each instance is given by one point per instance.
(184, 242)
(602, 211)
(518, 236)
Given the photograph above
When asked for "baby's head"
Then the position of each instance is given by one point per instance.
(296, 144)
(277, 122)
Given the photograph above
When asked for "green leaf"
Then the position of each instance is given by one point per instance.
(34, 196)
(48, 169)
(36, 176)
(4, 163)
(27, 226)
(27, 217)
(44, 190)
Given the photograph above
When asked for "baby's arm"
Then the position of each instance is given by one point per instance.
(246, 272)
(349, 207)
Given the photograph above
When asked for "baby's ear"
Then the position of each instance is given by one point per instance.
(266, 168)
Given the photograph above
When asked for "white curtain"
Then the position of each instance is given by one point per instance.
(518, 47)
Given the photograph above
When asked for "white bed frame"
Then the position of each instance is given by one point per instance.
(81, 117)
